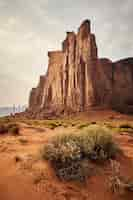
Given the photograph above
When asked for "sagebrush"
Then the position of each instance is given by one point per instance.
(66, 152)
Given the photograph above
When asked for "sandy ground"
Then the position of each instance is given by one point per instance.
(33, 179)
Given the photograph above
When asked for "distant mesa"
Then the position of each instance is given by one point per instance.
(77, 79)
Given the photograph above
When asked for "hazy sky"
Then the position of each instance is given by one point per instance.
(29, 28)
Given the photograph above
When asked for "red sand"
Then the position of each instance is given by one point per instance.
(20, 180)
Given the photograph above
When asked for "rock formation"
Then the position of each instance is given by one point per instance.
(77, 79)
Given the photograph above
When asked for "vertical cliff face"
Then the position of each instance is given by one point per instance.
(123, 82)
(77, 79)
(80, 52)
(36, 94)
(53, 91)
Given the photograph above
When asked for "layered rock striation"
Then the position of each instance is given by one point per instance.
(77, 79)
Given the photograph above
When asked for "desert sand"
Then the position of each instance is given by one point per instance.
(24, 176)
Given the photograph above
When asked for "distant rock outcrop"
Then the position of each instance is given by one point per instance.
(77, 79)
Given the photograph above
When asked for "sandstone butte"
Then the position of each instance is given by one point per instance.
(77, 79)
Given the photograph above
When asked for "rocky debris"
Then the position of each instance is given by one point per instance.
(77, 79)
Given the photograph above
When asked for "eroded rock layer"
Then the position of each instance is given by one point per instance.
(77, 79)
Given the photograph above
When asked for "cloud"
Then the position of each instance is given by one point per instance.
(13, 90)
(29, 28)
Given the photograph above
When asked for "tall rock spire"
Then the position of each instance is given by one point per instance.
(85, 28)
(77, 79)
(68, 82)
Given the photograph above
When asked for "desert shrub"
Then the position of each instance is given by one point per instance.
(81, 126)
(4, 120)
(39, 176)
(10, 125)
(14, 130)
(9, 128)
(93, 122)
(23, 140)
(66, 152)
(97, 143)
(3, 129)
(109, 125)
(117, 182)
(53, 124)
(61, 149)
(75, 170)
(125, 126)
(73, 123)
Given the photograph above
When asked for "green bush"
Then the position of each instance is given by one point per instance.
(68, 151)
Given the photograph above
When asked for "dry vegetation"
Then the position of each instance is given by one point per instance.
(8, 127)
(71, 151)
